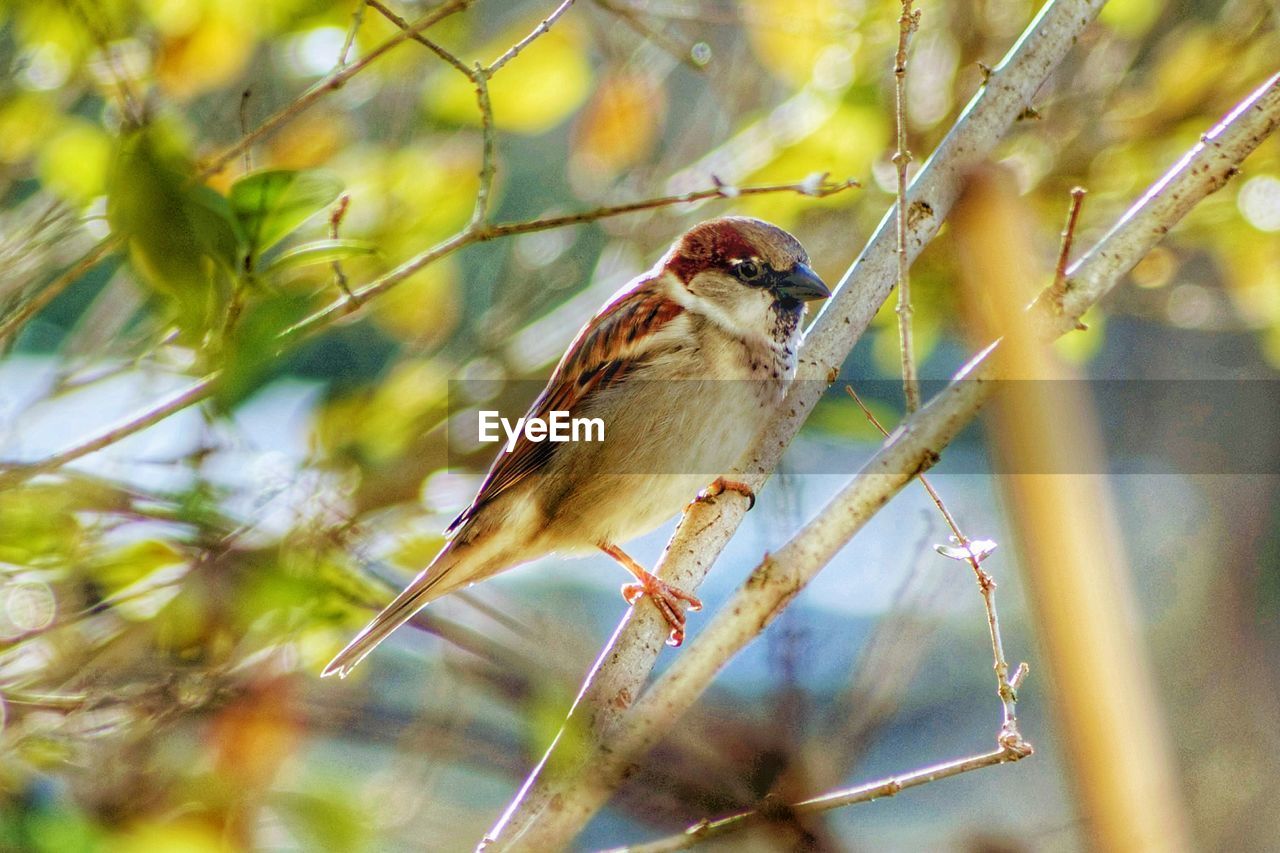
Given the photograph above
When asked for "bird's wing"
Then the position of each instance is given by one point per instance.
(623, 336)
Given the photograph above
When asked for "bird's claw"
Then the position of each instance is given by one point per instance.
(667, 599)
(720, 485)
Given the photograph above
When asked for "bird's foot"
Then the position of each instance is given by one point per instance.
(720, 485)
(667, 599)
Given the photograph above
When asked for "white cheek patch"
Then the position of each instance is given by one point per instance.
(744, 315)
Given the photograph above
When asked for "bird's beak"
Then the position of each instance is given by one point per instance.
(801, 283)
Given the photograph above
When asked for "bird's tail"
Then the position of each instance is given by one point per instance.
(441, 577)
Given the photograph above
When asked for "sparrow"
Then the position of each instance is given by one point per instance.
(684, 365)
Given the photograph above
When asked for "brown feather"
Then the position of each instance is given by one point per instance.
(604, 352)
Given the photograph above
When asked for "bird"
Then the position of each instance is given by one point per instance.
(683, 365)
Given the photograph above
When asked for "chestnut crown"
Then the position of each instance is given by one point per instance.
(728, 242)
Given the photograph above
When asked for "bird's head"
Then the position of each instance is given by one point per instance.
(745, 270)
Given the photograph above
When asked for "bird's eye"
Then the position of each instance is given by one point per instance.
(748, 270)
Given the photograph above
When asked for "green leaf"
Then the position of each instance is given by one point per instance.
(253, 348)
(271, 203)
(321, 252)
(178, 230)
(217, 229)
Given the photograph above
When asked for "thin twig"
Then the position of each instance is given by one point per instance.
(357, 18)
(866, 793)
(719, 191)
(514, 50)
(771, 585)
(479, 77)
(477, 234)
(488, 153)
(1064, 254)
(908, 22)
(12, 475)
(1010, 736)
(13, 323)
(330, 83)
(244, 127)
(335, 222)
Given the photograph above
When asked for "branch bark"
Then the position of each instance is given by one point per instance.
(912, 449)
(624, 664)
(908, 23)
(331, 82)
(877, 790)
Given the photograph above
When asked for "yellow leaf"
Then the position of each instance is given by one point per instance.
(1131, 18)
(407, 199)
(73, 164)
(532, 93)
(117, 569)
(620, 125)
(1187, 69)
(790, 37)
(422, 309)
(209, 55)
(25, 122)
(189, 835)
(309, 141)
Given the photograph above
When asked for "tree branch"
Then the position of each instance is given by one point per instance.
(13, 323)
(914, 447)
(625, 663)
(908, 22)
(1010, 736)
(878, 790)
(15, 474)
(515, 49)
(333, 81)
(479, 78)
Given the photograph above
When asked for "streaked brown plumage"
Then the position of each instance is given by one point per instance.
(683, 365)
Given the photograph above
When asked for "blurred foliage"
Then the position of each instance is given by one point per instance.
(162, 617)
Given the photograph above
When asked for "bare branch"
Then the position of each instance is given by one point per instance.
(769, 588)
(478, 234)
(915, 445)
(819, 190)
(624, 665)
(13, 323)
(15, 474)
(1010, 736)
(332, 82)
(1064, 252)
(878, 790)
(479, 78)
(1204, 169)
(908, 22)
(515, 49)
(357, 19)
